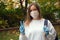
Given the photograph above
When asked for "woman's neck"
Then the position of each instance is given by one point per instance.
(37, 19)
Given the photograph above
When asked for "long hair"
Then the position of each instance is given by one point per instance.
(28, 17)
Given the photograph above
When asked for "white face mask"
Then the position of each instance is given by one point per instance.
(34, 14)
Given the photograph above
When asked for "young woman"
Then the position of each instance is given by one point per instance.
(34, 25)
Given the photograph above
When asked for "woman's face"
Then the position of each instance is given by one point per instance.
(34, 12)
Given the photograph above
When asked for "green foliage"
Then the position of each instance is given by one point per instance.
(48, 8)
(11, 17)
(47, 12)
(58, 13)
(10, 35)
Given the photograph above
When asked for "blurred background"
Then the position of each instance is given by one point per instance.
(13, 11)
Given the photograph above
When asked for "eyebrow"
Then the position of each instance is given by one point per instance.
(33, 9)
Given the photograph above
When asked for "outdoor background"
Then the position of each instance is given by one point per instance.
(13, 11)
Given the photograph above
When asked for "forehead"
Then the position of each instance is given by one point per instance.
(33, 7)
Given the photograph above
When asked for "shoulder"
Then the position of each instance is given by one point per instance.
(49, 22)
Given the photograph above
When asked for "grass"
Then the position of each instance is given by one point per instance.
(9, 35)
(57, 28)
(14, 34)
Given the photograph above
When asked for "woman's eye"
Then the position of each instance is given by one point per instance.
(33, 10)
